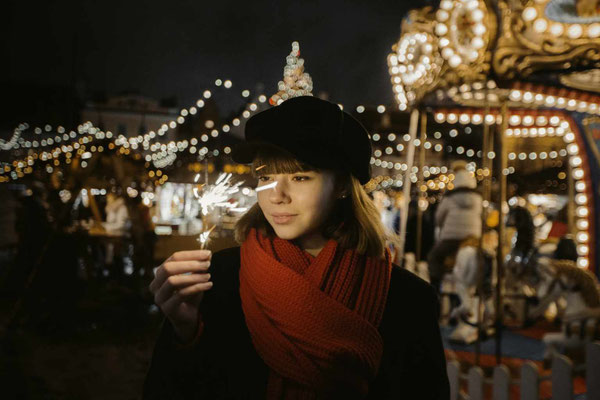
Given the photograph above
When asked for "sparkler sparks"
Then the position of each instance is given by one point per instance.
(269, 186)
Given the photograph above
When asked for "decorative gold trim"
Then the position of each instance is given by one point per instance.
(530, 41)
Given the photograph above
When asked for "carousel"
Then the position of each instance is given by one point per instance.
(514, 87)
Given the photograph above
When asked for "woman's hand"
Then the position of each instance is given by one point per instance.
(178, 287)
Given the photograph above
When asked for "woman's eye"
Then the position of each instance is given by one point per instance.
(300, 178)
(263, 178)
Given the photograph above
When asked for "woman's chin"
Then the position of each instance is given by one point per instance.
(286, 232)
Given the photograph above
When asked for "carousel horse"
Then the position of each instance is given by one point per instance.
(581, 315)
(464, 275)
(540, 276)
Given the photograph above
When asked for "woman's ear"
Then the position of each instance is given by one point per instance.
(342, 186)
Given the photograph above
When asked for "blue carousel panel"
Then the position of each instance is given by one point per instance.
(591, 140)
(565, 11)
(592, 132)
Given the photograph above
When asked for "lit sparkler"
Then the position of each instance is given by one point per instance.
(212, 196)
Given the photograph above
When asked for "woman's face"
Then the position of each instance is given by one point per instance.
(296, 205)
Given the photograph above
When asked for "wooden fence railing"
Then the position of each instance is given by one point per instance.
(529, 379)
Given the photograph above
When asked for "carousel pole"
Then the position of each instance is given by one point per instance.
(406, 183)
(501, 167)
(571, 202)
(421, 181)
(485, 149)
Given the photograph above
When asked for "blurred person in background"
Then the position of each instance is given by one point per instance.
(458, 217)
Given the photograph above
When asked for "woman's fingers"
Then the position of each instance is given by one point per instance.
(173, 268)
(194, 289)
(177, 282)
(191, 255)
(189, 294)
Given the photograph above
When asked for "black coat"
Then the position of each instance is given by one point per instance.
(225, 365)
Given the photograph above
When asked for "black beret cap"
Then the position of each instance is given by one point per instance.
(314, 131)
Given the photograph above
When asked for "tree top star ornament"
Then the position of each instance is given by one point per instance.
(295, 81)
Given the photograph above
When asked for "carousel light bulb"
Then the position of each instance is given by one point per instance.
(540, 25)
(455, 60)
(464, 119)
(593, 30)
(440, 117)
(446, 5)
(447, 52)
(476, 119)
(581, 199)
(575, 31)
(582, 211)
(477, 15)
(557, 29)
(441, 29)
(490, 119)
(515, 95)
(576, 161)
(583, 249)
(580, 186)
(479, 29)
(582, 224)
(572, 103)
(442, 15)
(582, 262)
(529, 14)
(569, 137)
(582, 237)
(452, 118)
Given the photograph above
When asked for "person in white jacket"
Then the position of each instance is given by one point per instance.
(457, 218)
(117, 217)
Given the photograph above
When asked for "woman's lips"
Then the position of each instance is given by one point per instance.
(283, 218)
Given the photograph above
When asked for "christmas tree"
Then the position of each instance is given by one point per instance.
(295, 81)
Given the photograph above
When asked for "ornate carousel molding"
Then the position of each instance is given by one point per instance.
(545, 35)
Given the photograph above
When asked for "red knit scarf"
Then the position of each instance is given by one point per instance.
(314, 320)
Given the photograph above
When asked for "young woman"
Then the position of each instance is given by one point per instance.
(310, 306)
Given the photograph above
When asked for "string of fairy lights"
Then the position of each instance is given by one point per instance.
(160, 154)
(163, 155)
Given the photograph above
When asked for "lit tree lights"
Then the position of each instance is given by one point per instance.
(295, 81)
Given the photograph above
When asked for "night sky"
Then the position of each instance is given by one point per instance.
(178, 48)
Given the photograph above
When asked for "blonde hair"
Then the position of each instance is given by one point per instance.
(354, 221)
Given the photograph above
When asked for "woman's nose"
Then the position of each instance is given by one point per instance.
(279, 193)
